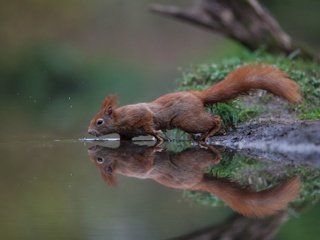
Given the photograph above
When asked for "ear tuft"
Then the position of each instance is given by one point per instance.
(110, 179)
(109, 101)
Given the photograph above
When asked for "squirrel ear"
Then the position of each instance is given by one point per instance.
(109, 111)
(110, 179)
(109, 101)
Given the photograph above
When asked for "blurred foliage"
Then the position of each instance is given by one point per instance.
(307, 74)
(53, 86)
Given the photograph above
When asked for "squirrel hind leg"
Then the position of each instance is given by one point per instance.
(216, 127)
(200, 122)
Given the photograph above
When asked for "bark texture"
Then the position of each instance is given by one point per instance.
(245, 21)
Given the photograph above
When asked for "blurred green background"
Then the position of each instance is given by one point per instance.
(60, 58)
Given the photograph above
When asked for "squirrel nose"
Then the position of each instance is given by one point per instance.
(92, 132)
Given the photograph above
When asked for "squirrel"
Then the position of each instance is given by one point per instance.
(186, 109)
(185, 170)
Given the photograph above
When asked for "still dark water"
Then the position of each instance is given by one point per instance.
(52, 189)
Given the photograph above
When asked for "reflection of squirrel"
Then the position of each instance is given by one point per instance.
(185, 110)
(185, 170)
(185, 167)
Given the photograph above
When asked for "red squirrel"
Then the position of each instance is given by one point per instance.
(186, 109)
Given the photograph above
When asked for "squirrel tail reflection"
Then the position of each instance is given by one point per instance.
(249, 203)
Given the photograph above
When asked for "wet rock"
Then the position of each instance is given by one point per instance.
(296, 142)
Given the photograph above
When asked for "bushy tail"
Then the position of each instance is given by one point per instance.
(250, 203)
(250, 77)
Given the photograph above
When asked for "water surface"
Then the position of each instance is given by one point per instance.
(51, 189)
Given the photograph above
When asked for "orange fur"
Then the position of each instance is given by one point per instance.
(251, 77)
(251, 203)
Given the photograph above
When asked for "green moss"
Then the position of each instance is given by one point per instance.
(313, 114)
(178, 146)
(306, 73)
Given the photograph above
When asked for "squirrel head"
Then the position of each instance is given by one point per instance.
(103, 122)
(103, 158)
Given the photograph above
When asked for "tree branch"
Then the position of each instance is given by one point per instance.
(246, 21)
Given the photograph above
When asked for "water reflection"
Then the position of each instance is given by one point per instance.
(240, 227)
(186, 170)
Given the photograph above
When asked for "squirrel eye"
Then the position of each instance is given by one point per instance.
(100, 121)
(100, 160)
